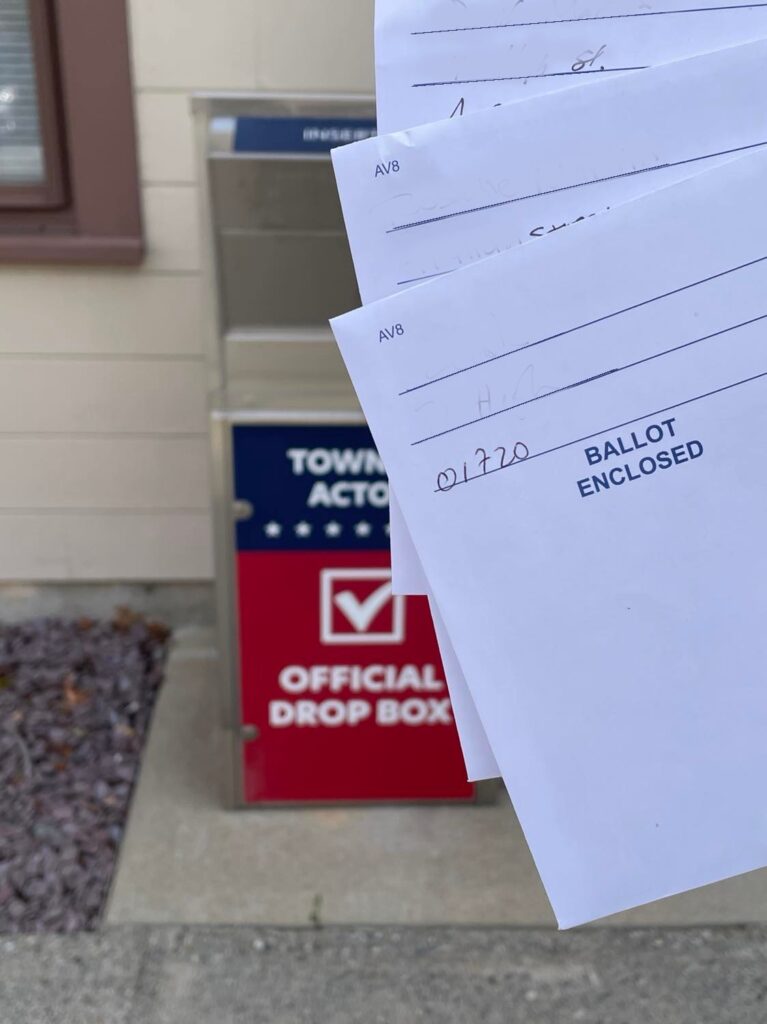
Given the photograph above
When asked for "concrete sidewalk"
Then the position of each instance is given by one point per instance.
(150, 975)
(186, 859)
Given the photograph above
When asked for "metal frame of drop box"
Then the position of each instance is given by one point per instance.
(213, 116)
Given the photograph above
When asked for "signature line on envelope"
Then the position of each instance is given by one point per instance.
(594, 377)
(590, 323)
(574, 185)
(605, 430)
(593, 17)
(525, 78)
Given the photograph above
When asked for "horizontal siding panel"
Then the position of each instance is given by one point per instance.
(92, 311)
(64, 548)
(194, 44)
(172, 228)
(87, 396)
(166, 142)
(323, 47)
(101, 473)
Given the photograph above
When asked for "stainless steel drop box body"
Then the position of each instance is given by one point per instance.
(335, 688)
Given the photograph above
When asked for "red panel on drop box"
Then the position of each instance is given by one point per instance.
(341, 679)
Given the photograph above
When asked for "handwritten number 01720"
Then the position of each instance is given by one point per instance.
(501, 458)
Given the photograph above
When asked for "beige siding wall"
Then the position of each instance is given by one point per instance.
(103, 444)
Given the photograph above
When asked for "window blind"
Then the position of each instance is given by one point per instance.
(21, 149)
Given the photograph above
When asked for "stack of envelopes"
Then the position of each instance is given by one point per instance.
(561, 245)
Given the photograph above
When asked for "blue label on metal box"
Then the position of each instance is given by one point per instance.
(299, 134)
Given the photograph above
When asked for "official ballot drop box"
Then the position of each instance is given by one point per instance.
(335, 689)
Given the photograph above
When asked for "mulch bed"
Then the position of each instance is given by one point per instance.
(75, 702)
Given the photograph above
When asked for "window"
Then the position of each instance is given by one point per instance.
(68, 177)
(31, 153)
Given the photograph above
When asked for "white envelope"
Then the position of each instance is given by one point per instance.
(437, 59)
(595, 541)
(600, 136)
(477, 753)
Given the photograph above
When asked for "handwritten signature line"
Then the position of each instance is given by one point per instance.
(589, 323)
(524, 78)
(592, 378)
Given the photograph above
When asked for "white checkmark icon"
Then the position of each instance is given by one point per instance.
(362, 613)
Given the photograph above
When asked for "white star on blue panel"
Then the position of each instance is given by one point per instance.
(362, 529)
(272, 529)
(302, 529)
(333, 529)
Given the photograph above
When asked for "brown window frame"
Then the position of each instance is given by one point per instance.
(88, 210)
